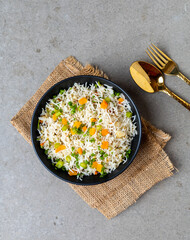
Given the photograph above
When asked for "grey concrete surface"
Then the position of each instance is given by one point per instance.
(34, 37)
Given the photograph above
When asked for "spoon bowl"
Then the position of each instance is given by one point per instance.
(147, 76)
(151, 79)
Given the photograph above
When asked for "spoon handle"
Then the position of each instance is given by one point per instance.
(177, 98)
(184, 78)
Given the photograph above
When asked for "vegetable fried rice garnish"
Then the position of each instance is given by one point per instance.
(87, 130)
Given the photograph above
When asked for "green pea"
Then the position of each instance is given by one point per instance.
(117, 94)
(54, 96)
(102, 152)
(100, 120)
(128, 153)
(70, 104)
(77, 164)
(83, 165)
(91, 161)
(56, 107)
(59, 164)
(62, 91)
(93, 154)
(105, 155)
(68, 158)
(92, 140)
(53, 112)
(129, 114)
(79, 131)
(93, 123)
(73, 148)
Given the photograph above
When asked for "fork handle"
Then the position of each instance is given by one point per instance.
(177, 98)
(184, 78)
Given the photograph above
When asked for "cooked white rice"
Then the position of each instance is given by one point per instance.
(116, 118)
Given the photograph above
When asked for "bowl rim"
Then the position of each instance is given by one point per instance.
(138, 118)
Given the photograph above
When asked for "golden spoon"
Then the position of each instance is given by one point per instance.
(151, 80)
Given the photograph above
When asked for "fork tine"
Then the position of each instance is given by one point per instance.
(161, 62)
(153, 59)
(162, 52)
(159, 55)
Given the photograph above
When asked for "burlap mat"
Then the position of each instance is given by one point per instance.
(149, 167)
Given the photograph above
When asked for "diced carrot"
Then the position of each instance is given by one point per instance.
(42, 144)
(41, 121)
(97, 166)
(120, 100)
(96, 173)
(82, 101)
(92, 131)
(62, 147)
(93, 120)
(72, 132)
(104, 145)
(77, 124)
(94, 164)
(72, 173)
(54, 117)
(64, 121)
(79, 150)
(105, 132)
(104, 104)
(84, 129)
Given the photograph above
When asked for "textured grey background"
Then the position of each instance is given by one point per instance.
(34, 37)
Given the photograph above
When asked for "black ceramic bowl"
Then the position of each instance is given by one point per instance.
(87, 180)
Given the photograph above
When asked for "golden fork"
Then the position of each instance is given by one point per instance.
(164, 63)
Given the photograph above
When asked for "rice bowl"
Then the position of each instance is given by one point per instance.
(87, 130)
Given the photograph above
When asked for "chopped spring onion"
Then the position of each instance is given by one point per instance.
(129, 114)
(59, 164)
(65, 127)
(68, 159)
(83, 165)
